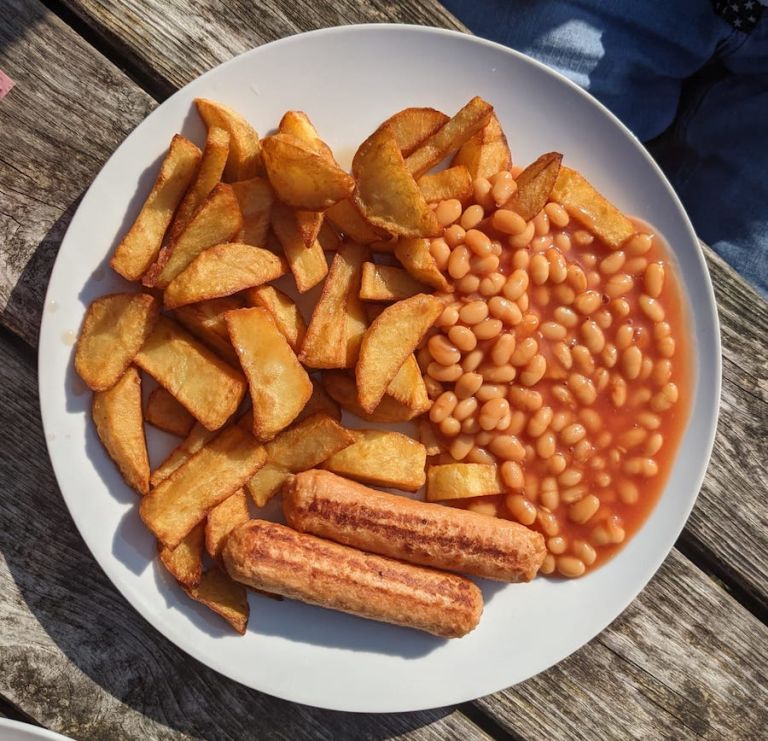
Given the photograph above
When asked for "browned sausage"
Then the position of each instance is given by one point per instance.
(434, 535)
(275, 558)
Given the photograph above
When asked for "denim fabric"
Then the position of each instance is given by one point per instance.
(635, 56)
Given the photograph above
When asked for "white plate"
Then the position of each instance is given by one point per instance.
(348, 80)
(14, 730)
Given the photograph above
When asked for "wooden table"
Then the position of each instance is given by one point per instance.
(686, 659)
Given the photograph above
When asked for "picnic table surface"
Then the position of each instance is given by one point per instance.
(687, 659)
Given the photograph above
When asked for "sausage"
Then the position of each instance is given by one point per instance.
(433, 535)
(275, 558)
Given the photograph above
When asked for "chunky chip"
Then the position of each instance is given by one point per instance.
(343, 390)
(413, 126)
(383, 458)
(117, 416)
(392, 337)
(387, 283)
(114, 329)
(216, 221)
(183, 500)
(470, 119)
(408, 386)
(461, 481)
(223, 519)
(284, 311)
(301, 176)
(583, 203)
(197, 438)
(280, 387)
(244, 160)
(185, 561)
(486, 152)
(386, 193)
(297, 123)
(326, 343)
(141, 244)
(165, 413)
(309, 223)
(307, 264)
(535, 184)
(210, 389)
(428, 438)
(221, 271)
(224, 596)
(415, 257)
(455, 182)
(346, 217)
(205, 320)
(255, 199)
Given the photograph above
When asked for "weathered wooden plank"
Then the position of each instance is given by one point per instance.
(78, 659)
(69, 109)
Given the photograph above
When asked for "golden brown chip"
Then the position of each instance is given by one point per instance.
(590, 208)
(309, 223)
(387, 283)
(297, 123)
(383, 458)
(114, 329)
(255, 199)
(462, 480)
(280, 387)
(210, 389)
(415, 257)
(342, 388)
(408, 387)
(470, 119)
(165, 413)
(534, 185)
(301, 176)
(221, 271)
(224, 518)
(198, 437)
(486, 152)
(183, 500)
(284, 311)
(455, 182)
(413, 126)
(244, 159)
(307, 264)
(326, 341)
(428, 438)
(206, 321)
(346, 217)
(119, 424)
(216, 221)
(328, 237)
(392, 337)
(386, 194)
(141, 244)
(185, 561)
(224, 596)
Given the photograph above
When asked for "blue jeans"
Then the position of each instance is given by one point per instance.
(638, 57)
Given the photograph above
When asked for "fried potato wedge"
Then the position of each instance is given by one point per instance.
(486, 152)
(255, 198)
(185, 561)
(205, 320)
(387, 283)
(462, 480)
(210, 389)
(244, 160)
(299, 448)
(413, 126)
(224, 596)
(198, 437)
(415, 257)
(383, 458)
(428, 438)
(141, 244)
(224, 518)
(454, 182)
(452, 135)
(208, 177)
(216, 221)
(328, 237)
(284, 311)
(320, 401)
(301, 176)
(280, 387)
(585, 204)
(535, 184)
(211, 475)
(297, 123)
(165, 413)
(307, 264)
(386, 194)
(309, 223)
(221, 271)
(117, 415)
(114, 329)
(346, 217)
(408, 386)
(343, 390)
(326, 342)
(392, 337)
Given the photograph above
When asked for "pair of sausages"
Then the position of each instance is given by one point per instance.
(383, 583)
